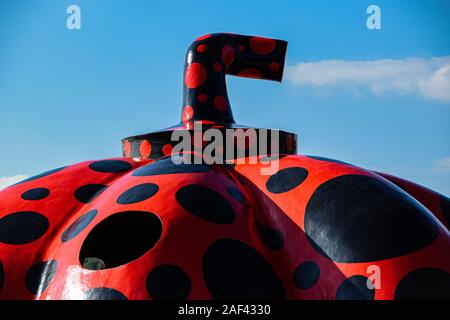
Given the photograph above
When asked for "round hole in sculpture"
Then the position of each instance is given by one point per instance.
(120, 239)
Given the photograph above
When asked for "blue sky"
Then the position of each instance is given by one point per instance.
(71, 95)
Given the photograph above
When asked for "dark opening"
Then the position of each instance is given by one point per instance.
(119, 239)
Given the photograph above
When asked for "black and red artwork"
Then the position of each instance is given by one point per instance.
(142, 227)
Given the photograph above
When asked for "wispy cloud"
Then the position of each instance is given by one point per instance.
(427, 77)
(7, 181)
(442, 165)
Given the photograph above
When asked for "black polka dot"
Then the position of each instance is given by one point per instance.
(110, 166)
(75, 228)
(328, 160)
(445, 205)
(237, 195)
(121, 238)
(138, 193)
(230, 166)
(168, 282)
(242, 180)
(2, 275)
(306, 275)
(286, 179)
(166, 166)
(40, 275)
(355, 288)
(270, 237)
(87, 193)
(205, 203)
(22, 227)
(424, 284)
(41, 175)
(35, 194)
(103, 294)
(233, 270)
(356, 218)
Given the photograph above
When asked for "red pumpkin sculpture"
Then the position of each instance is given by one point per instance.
(143, 227)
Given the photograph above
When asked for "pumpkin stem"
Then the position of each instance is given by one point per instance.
(211, 57)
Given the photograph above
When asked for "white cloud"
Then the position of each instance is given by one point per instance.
(7, 181)
(429, 77)
(442, 165)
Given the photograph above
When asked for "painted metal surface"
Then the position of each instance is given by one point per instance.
(141, 227)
